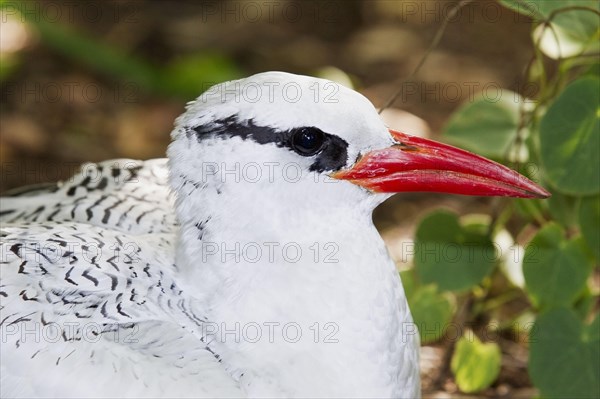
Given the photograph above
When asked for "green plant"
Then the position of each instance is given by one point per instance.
(554, 138)
(182, 77)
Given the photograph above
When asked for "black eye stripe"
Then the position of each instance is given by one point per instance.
(331, 155)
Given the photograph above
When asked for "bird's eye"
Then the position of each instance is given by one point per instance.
(307, 141)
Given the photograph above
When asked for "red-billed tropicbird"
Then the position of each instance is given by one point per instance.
(261, 275)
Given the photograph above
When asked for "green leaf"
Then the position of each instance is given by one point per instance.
(580, 25)
(564, 359)
(475, 365)
(528, 8)
(555, 269)
(585, 304)
(589, 220)
(557, 42)
(453, 256)
(485, 127)
(431, 312)
(409, 282)
(570, 139)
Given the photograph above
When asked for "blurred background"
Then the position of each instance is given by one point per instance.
(92, 80)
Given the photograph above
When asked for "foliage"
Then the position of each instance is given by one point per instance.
(453, 256)
(183, 77)
(475, 364)
(554, 138)
(565, 355)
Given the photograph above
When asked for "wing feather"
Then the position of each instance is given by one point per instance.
(90, 304)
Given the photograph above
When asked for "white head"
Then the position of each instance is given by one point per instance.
(275, 136)
(284, 158)
(275, 128)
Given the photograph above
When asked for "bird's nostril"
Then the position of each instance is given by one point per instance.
(406, 147)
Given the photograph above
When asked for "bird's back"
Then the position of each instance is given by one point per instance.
(90, 302)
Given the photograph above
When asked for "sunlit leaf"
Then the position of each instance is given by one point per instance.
(557, 42)
(576, 27)
(475, 365)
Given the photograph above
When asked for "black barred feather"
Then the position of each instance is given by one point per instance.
(86, 279)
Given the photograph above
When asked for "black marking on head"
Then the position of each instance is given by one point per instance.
(333, 155)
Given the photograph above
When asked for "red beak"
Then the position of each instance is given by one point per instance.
(418, 164)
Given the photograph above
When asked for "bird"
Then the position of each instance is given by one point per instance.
(245, 264)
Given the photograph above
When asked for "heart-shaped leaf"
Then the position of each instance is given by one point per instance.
(564, 359)
(555, 269)
(475, 364)
(577, 24)
(453, 256)
(570, 139)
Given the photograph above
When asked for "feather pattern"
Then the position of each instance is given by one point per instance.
(87, 278)
(106, 289)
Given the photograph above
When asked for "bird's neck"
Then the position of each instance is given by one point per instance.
(299, 303)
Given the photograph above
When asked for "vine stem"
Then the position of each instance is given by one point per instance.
(460, 319)
(527, 116)
(432, 46)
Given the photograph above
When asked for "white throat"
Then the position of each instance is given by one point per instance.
(302, 296)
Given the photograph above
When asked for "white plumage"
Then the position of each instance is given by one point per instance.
(111, 286)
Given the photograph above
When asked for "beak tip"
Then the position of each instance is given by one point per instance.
(541, 193)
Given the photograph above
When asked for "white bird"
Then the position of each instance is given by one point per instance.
(261, 275)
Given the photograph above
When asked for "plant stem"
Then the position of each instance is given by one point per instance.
(432, 46)
(459, 319)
